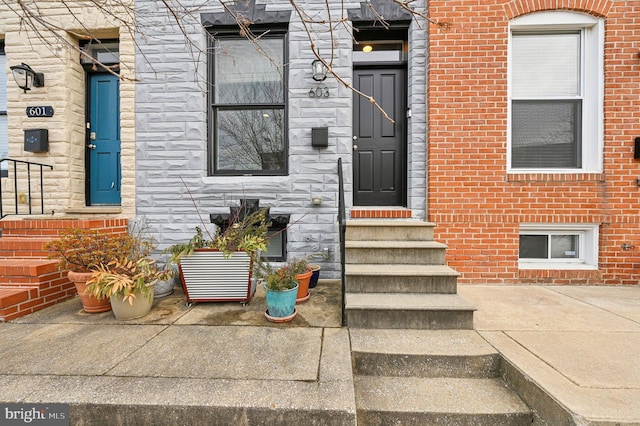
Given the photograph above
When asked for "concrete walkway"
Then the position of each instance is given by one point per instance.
(578, 346)
(574, 349)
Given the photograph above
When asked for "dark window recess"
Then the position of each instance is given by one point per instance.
(277, 233)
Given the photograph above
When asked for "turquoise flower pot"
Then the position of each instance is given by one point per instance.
(281, 303)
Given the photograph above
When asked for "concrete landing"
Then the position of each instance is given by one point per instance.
(571, 352)
(184, 365)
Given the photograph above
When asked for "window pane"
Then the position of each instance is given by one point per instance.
(533, 247)
(275, 244)
(564, 247)
(244, 75)
(250, 140)
(546, 134)
(546, 65)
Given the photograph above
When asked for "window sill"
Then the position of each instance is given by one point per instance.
(581, 176)
(559, 266)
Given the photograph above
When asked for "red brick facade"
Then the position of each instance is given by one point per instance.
(477, 206)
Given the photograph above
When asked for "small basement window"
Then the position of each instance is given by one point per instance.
(558, 246)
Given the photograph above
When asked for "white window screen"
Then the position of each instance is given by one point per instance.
(546, 65)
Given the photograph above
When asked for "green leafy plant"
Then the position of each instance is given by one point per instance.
(277, 279)
(298, 266)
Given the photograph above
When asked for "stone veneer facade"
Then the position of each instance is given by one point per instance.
(171, 129)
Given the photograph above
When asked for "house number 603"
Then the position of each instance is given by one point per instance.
(319, 92)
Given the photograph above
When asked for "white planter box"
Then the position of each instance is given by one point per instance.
(208, 277)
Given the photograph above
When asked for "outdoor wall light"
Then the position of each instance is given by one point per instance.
(319, 70)
(26, 77)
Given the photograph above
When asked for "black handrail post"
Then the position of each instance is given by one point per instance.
(15, 185)
(29, 186)
(342, 227)
(41, 191)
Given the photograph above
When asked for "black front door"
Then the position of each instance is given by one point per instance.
(379, 172)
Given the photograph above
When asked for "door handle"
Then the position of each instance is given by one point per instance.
(91, 146)
(355, 147)
(355, 138)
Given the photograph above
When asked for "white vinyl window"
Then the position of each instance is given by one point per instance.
(544, 246)
(555, 93)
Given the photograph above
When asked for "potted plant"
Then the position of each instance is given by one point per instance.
(315, 274)
(281, 289)
(302, 274)
(81, 251)
(219, 267)
(165, 287)
(315, 267)
(128, 284)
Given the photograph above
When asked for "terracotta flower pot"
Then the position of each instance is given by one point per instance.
(89, 303)
(303, 286)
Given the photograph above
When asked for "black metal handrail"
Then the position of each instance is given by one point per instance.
(342, 227)
(15, 185)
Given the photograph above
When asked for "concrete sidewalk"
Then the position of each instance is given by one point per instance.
(577, 348)
(570, 351)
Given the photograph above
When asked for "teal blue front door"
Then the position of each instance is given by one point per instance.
(104, 140)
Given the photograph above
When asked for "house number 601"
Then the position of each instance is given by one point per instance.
(40, 111)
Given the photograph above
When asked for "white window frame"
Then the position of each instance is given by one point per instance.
(588, 246)
(592, 81)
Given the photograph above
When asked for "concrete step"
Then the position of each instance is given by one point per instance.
(423, 353)
(400, 278)
(410, 311)
(395, 252)
(389, 230)
(437, 401)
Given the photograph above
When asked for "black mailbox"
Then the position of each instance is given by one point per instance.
(36, 140)
(320, 137)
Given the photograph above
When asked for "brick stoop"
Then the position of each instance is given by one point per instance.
(380, 213)
(29, 281)
(28, 285)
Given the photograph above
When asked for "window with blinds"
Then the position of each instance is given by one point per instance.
(556, 67)
(546, 109)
